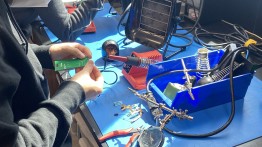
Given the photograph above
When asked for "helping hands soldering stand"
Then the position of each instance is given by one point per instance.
(156, 109)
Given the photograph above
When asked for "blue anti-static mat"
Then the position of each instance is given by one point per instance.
(245, 126)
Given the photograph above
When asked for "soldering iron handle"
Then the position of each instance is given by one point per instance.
(135, 61)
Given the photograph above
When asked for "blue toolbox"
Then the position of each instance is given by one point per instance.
(206, 96)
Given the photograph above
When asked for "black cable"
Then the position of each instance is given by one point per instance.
(181, 47)
(189, 41)
(126, 41)
(181, 35)
(122, 18)
(241, 31)
(238, 37)
(219, 36)
(112, 13)
(233, 54)
(105, 70)
(120, 22)
(198, 18)
(184, 28)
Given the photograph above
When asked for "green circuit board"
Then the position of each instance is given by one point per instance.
(70, 64)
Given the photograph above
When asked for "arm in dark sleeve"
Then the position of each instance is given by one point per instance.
(42, 53)
(8, 83)
(67, 27)
(48, 121)
(49, 125)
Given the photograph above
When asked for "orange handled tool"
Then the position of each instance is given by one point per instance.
(132, 139)
(118, 133)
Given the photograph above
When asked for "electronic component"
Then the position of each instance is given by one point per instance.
(172, 89)
(135, 112)
(69, 64)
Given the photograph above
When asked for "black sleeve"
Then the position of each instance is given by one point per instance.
(43, 55)
(48, 124)
(8, 83)
(67, 27)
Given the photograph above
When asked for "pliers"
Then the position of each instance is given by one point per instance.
(133, 138)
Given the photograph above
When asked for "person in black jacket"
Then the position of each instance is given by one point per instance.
(28, 116)
(65, 26)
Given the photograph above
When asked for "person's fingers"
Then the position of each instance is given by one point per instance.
(98, 77)
(67, 52)
(75, 52)
(89, 66)
(78, 69)
(92, 76)
(85, 50)
(96, 72)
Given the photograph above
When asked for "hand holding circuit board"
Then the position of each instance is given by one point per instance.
(67, 56)
(69, 64)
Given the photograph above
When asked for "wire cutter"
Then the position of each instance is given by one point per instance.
(134, 131)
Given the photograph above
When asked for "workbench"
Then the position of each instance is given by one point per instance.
(245, 126)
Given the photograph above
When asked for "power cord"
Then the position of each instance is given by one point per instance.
(181, 35)
(105, 69)
(122, 18)
(110, 11)
(197, 16)
(238, 37)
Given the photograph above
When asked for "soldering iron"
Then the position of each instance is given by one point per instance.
(135, 61)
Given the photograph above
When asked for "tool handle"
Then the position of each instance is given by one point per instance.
(115, 133)
(132, 139)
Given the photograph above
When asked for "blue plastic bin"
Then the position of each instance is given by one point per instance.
(206, 96)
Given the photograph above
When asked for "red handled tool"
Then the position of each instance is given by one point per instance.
(123, 132)
(132, 139)
(118, 133)
(150, 137)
